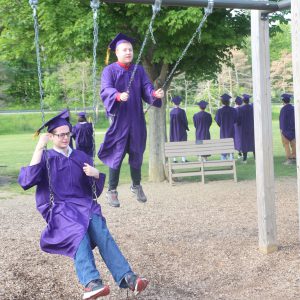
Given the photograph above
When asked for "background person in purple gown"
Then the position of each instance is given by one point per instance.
(237, 134)
(245, 124)
(225, 117)
(178, 124)
(75, 225)
(287, 129)
(82, 133)
(127, 132)
(202, 122)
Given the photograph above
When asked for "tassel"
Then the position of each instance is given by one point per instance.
(107, 56)
(36, 134)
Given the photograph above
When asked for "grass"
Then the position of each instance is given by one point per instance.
(17, 148)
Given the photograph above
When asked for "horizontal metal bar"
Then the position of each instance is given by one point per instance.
(284, 4)
(238, 4)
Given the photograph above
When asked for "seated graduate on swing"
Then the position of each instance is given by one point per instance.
(75, 225)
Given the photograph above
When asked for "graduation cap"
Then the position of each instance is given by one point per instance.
(225, 98)
(246, 96)
(57, 121)
(286, 97)
(176, 100)
(81, 114)
(118, 39)
(202, 104)
(238, 100)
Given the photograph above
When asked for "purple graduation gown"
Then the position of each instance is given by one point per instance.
(287, 121)
(83, 135)
(178, 125)
(68, 220)
(237, 133)
(245, 124)
(127, 133)
(202, 122)
(225, 117)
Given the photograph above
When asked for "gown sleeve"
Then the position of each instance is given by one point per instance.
(30, 176)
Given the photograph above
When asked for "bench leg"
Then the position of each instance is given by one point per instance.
(202, 172)
(170, 173)
(234, 172)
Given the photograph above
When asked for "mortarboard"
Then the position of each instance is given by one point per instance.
(81, 114)
(238, 100)
(176, 100)
(202, 104)
(57, 121)
(246, 96)
(286, 97)
(118, 39)
(225, 97)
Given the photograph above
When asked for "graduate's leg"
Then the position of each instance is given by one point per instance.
(286, 146)
(293, 146)
(85, 263)
(114, 176)
(136, 175)
(109, 250)
(245, 155)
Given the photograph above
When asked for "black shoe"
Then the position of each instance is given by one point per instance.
(112, 198)
(138, 191)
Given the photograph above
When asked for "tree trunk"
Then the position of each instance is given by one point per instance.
(157, 128)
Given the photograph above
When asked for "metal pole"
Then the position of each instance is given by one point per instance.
(284, 4)
(239, 4)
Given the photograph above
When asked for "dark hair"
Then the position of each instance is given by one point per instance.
(81, 119)
(285, 100)
(246, 101)
(225, 102)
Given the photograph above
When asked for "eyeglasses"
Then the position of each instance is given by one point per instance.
(62, 135)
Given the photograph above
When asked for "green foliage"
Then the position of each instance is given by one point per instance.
(280, 42)
(66, 36)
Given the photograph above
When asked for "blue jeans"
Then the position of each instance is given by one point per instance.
(226, 156)
(99, 235)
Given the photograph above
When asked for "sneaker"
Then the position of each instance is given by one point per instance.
(288, 162)
(95, 289)
(112, 198)
(135, 283)
(138, 191)
(244, 161)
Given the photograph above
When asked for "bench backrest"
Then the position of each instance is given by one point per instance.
(205, 147)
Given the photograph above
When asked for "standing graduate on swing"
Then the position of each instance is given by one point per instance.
(127, 132)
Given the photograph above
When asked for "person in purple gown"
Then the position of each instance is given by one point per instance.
(178, 124)
(202, 122)
(237, 134)
(245, 124)
(225, 117)
(287, 129)
(65, 197)
(127, 131)
(83, 134)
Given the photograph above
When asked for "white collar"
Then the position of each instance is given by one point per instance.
(70, 150)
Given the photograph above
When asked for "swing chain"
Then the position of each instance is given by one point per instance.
(208, 10)
(155, 11)
(95, 4)
(34, 5)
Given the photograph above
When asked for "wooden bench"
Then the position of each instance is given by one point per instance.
(202, 168)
